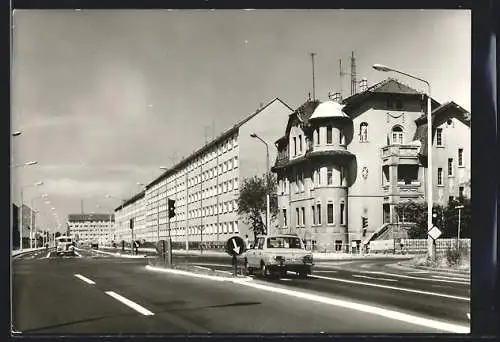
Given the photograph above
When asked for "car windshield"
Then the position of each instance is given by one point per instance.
(283, 242)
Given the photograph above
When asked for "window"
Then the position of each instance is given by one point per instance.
(450, 166)
(235, 183)
(342, 213)
(341, 137)
(319, 176)
(338, 245)
(235, 162)
(294, 146)
(329, 211)
(318, 209)
(329, 176)
(297, 213)
(461, 157)
(300, 143)
(440, 176)
(329, 133)
(439, 137)
(303, 216)
(363, 132)
(397, 135)
(313, 210)
(316, 136)
(285, 223)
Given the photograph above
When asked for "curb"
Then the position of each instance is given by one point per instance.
(435, 269)
(120, 255)
(198, 275)
(24, 251)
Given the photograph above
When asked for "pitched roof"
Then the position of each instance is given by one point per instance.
(93, 217)
(329, 109)
(210, 144)
(389, 86)
(421, 132)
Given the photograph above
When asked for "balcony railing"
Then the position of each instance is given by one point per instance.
(400, 150)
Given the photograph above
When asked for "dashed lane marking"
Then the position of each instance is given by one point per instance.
(450, 278)
(201, 267)
(85, 279)
(392, 288)
(130, 303)
(367, 277)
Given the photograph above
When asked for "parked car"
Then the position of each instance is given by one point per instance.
(278, 254)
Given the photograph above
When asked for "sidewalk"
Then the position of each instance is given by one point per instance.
(26, 250)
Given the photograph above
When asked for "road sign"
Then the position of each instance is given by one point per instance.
(434, 232)
(235, 246)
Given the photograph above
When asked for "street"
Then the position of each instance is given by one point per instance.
(97, 293)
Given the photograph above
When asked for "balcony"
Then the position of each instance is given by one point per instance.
(400, 154)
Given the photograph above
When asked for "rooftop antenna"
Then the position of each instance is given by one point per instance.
(206, 134)
(341, 74)
(353, 74)
(314, 86)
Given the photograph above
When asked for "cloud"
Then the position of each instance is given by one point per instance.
(73, 187)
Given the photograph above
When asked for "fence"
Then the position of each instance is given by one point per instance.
(414, 246)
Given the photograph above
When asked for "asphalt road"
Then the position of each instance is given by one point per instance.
(52, 295)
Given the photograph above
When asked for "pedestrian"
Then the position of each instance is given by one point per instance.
(247, 242)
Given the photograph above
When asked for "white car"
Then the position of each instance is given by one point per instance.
(65, 245)
(279, 254)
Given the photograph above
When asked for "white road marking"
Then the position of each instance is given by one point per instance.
(451, 278)
(130, 303)
(418, 272)
(392, 288)
(328, 271)
(78, 254)
(201, 267)
(223, 271)
(48, 255)
(468, 315)
(285, 279)
(196, 275)
(418, 278)
(85, 279)
(411, 319)
(367, 277)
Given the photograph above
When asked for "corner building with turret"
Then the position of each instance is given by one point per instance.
(342, 166)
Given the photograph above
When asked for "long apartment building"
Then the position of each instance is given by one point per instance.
(131, 220)
(205, 185)
(91, 227)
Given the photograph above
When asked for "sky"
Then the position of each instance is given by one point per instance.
(104, 98)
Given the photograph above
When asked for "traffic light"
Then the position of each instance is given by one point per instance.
(171, 208)
(364, 220)
(434, 217)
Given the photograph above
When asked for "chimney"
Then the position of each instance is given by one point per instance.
(335, 97)
(363, 84)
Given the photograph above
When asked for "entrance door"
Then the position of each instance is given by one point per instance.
(387, 213)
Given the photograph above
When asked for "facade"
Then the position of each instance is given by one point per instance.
(205, 184)
(342, 167)
(131, 220)
(92, 227)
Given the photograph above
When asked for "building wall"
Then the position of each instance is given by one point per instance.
(122, 229)
(366, 196)
(454, 136)
(91, 231)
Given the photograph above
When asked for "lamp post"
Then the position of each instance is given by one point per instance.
(33, 162)
(431, 247)
(31, 217)
(459, 207)
(21, 213)
(253, 135)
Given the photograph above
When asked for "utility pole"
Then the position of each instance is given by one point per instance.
(353, 74)
(459, 207)
(313, 80)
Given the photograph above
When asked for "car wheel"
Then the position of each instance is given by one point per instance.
(264, 271)
(283, 273)
(303, 274)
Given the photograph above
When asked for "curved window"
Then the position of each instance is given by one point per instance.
(363, 132)
(316, 136)
(397, 135)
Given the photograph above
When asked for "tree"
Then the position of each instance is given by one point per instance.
(451, 215)
(252, 202)
(416, 212)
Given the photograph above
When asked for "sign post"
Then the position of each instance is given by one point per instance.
(459, 207)
(235, 246)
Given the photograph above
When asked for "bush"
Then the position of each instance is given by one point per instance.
(455, 256)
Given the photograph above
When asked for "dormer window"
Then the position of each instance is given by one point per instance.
(397, 135)
(329, 133)
(316, 136)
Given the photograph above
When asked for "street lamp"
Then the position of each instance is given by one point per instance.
(21, 213)
(31, 216)
(253, 135)
(430, 242)
(33, 162)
